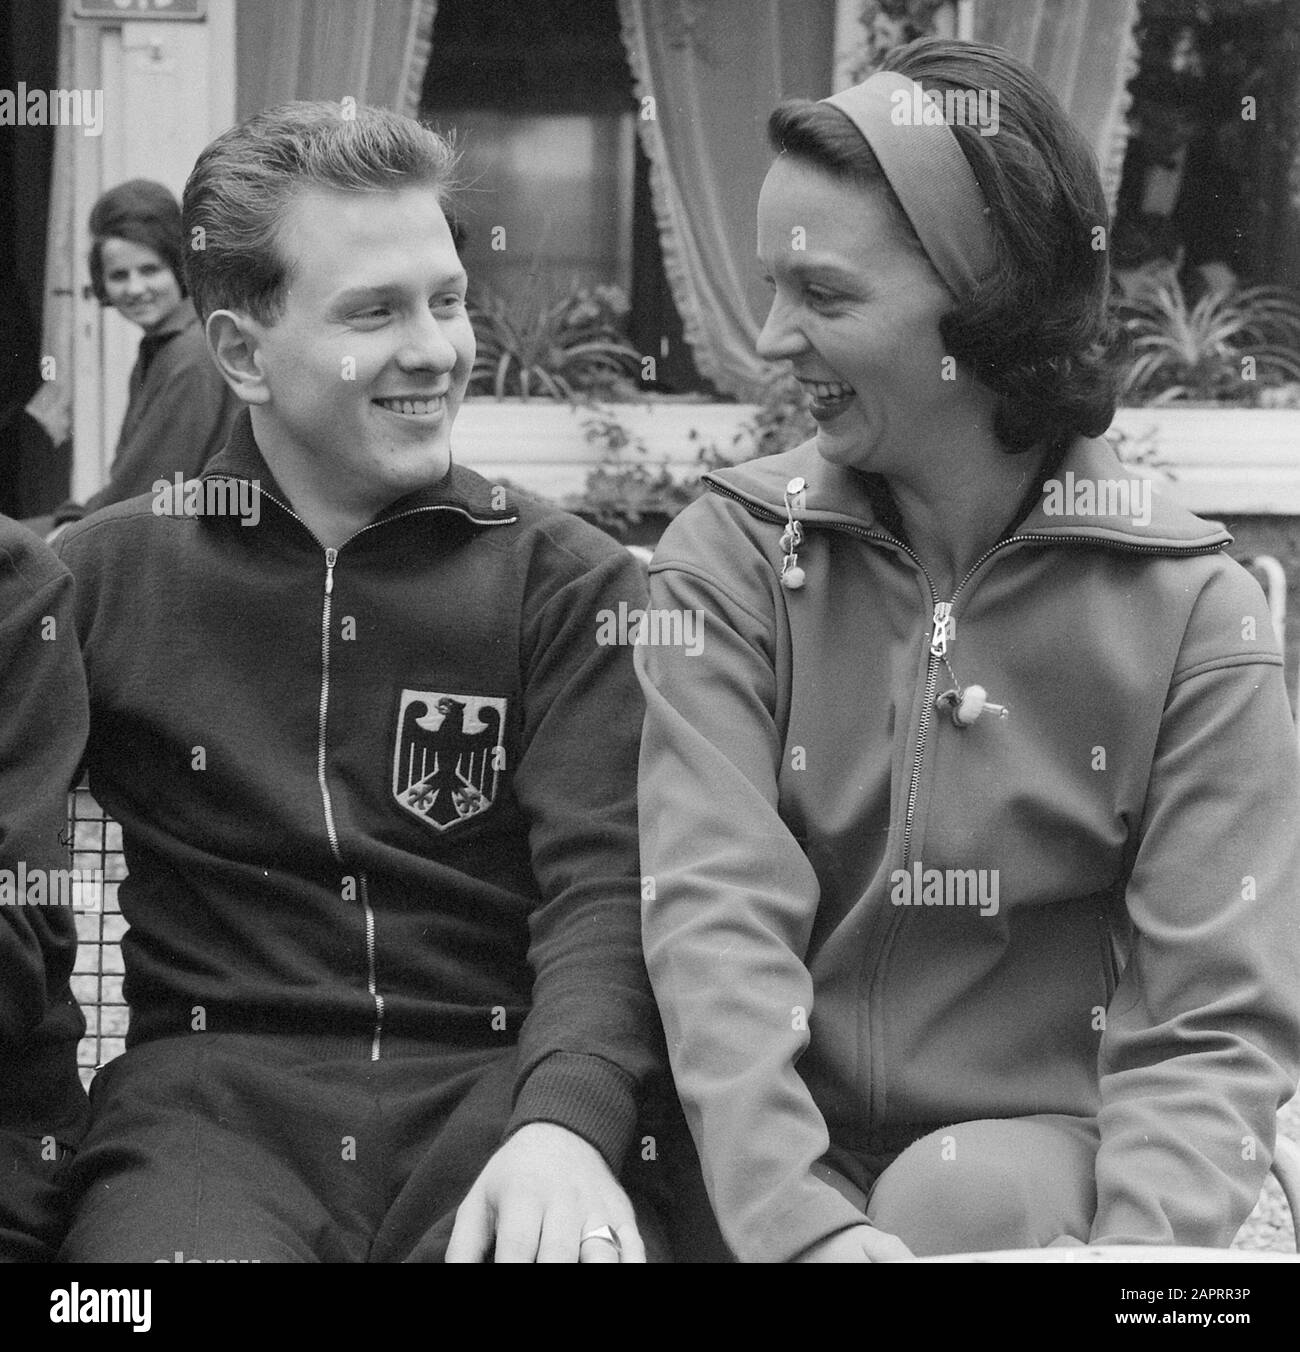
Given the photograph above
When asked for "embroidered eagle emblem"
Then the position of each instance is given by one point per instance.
(449, 756)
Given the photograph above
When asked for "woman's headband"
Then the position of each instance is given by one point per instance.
(930, 176)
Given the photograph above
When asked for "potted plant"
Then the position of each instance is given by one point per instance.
(560, 348)
(1226, 347)
(1216, 383)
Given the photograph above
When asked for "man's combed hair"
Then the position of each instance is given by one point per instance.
(1038, 332)
(243, 181)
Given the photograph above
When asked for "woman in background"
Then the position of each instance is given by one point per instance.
(180, 409)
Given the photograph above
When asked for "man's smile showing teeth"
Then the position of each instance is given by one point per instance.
(413, 407)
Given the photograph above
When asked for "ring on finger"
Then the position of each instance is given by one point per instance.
(606, 1236)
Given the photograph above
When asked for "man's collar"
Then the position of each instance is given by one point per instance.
(460, 489)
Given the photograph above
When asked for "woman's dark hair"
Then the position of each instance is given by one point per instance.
(1038, 331)
(145, 213)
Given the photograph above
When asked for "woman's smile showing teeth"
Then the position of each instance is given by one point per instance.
(828, 397)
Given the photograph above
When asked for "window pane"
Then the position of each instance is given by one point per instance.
(547, 200)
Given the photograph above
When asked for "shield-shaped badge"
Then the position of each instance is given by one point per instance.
(449, 755)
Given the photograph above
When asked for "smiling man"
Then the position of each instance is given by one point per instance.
(375, 774)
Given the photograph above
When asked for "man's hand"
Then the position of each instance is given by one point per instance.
(536, 1198)
(861, 1244)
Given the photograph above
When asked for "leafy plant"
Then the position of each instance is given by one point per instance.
(885, 24)
(625, 486)
(561, 348)
(781, 422)
(1200, 351)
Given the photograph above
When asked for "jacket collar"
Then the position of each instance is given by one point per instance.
(183, 318)
(460, 489)
(1091, 495)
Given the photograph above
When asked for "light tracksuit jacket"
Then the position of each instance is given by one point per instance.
(1133, 821)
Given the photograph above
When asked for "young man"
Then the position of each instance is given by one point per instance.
(43, 1107)
(375, 773)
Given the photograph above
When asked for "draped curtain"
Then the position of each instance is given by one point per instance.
(1086, 52)
(714, 72)
(374, 51)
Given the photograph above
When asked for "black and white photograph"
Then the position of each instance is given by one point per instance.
(650, 632)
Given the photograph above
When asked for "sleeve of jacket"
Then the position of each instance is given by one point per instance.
(42, 738)
(729, 897)
(592, 1040)
(1202, 1038)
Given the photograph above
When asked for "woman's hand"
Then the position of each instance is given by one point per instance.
(861, 1244)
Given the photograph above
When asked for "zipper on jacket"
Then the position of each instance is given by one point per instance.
(1110, 965)
(938, 648)
(327, 802)
(373, 980)
(331, 557)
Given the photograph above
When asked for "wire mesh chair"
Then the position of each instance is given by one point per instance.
(97, 979)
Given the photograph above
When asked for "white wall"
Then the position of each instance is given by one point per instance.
(169, 88)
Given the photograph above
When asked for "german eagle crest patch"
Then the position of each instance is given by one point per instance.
(449, 756)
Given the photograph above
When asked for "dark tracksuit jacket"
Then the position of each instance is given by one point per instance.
(42, 735)
(385, 791)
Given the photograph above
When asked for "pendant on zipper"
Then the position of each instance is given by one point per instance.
(792, 576)
(967, 705)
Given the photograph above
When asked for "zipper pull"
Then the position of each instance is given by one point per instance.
(331, 558)
(945, 629)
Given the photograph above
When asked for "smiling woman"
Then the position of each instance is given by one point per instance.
(139, 284)
(922, 658)
(180, 410)
(856, 308)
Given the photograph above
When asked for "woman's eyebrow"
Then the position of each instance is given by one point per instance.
(807, 267)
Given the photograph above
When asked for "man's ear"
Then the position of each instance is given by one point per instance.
(233, 340)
